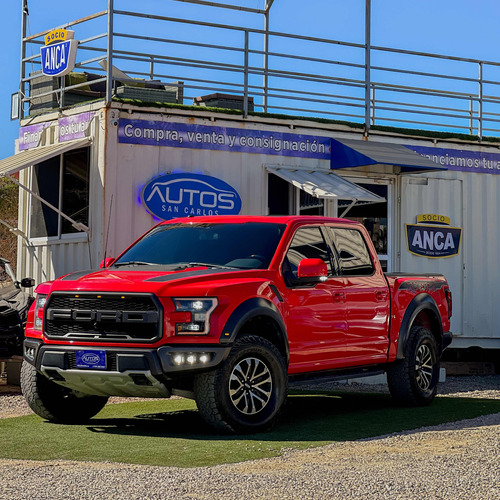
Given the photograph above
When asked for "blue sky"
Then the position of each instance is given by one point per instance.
(453, 27)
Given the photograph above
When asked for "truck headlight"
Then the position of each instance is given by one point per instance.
(192, 316)
(39, 307)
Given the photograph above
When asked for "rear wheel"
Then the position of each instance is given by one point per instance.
(246, 393)
(413, 381)
(56, 403)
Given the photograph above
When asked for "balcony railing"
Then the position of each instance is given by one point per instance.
(258, 70)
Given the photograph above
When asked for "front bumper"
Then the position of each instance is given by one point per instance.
(129, 372)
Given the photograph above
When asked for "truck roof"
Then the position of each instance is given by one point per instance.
(277, 219)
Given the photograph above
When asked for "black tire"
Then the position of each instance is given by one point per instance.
(56, 403)
(247, 392)
(413, 381)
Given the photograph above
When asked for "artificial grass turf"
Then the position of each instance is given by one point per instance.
(171, 432)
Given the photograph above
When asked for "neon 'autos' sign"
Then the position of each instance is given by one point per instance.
(183, 194)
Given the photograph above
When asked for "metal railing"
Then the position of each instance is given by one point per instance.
(272, 72)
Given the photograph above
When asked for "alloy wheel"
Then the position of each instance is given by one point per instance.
(250, 386)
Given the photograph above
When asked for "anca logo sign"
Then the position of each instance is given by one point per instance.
(433, 241)
(59, 53)
(179, 195)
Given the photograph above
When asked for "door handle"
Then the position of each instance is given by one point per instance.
(338, 296)
(381, 296)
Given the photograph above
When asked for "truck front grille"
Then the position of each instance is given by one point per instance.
(103, 317)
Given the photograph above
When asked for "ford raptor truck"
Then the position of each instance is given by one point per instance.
(228, 311)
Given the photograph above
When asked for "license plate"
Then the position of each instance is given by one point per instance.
(95, 360)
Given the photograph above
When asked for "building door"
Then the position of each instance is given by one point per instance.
(441, 197)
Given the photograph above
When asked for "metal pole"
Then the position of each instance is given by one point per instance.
(109, 54)
(266, 60)
(372, 120)
(245, 84)
(22, 87)
(480, 103)
(471, 115)
(367, 63)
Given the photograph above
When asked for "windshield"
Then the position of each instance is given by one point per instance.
(244, 245)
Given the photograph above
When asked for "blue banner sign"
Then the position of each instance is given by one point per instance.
(58, 59)
(462, 160)
(431, 241)
(185, 135)
(179, 195)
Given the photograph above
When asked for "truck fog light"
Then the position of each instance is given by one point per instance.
(30, 352)
(191, 359)
(178, 359)
(204, 358)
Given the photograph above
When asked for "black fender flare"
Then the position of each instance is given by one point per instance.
(249, 309)
(419, 303)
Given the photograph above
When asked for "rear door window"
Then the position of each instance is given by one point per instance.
(352, 251)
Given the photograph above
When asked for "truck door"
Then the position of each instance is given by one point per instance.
(317, 314)
(367, 298)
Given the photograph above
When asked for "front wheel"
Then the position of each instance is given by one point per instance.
(247, 392)
(413, 381)
(54, 402)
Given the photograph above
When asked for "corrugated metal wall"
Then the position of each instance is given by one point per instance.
(472, 202)
(48, 258)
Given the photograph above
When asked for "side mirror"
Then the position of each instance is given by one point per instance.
(311, 271)
(107, 262)
(27, 282)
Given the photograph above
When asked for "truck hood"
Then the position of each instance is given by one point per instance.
(150, 280)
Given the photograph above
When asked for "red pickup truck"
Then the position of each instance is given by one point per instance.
(228, 311)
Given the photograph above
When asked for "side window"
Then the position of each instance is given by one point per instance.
(63, 182)
(307, 243)
(352, 251)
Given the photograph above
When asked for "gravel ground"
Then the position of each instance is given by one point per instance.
(451, 461)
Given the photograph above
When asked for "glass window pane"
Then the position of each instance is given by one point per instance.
(352, 251)
(44, 220)
(308, 243)
(245, 246)
(75, 201)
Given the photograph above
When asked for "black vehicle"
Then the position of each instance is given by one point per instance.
(14, 305)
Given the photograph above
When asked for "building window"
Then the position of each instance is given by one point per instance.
(375, 217)
(285, 199)
(62, 181)
(310, 205)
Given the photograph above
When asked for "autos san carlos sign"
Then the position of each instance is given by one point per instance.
(59, 53)
(183, 194)
(438, 240)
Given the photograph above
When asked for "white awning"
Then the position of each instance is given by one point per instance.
(26, 159)
(324, 184)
